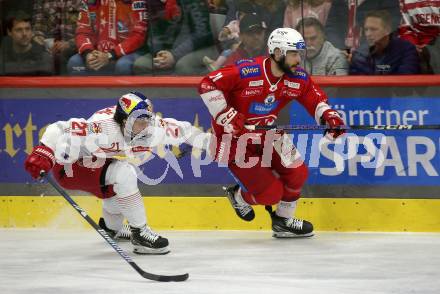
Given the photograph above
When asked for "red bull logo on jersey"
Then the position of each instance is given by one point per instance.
(250, 71)
(95, 128)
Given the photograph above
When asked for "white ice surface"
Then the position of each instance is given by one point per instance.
(60, 261)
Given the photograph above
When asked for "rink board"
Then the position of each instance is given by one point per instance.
(215, 213)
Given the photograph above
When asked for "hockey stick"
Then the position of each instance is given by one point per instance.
(146, 275)
(352, 127)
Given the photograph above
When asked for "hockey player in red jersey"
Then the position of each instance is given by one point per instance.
(96, 156)
(253, 92)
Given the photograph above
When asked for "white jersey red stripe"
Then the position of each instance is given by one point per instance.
(420, 21)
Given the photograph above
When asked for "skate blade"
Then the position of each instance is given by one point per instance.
(291, 235)
(150, 251)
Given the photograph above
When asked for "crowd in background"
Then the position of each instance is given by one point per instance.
(194, 37)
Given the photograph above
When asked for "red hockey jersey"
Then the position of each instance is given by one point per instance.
(111, 25)
(249, 87)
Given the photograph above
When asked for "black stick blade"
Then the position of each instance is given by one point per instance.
(159, 278)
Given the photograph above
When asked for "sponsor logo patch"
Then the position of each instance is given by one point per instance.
(205, 87)
(140, 149)
(256, 83)
(292, 85)
(217, 97)
(300, 45)
(138, 5)
(262, 108)
(252, 92)
(250, 71)
(290, 92)
(241, 61)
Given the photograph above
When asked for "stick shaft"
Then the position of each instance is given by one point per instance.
(109, 240)
(351, 127)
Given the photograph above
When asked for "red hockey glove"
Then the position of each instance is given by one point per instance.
(332, 119)
(232, 121)
(41, 158)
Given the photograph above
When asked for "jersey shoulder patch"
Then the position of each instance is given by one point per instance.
(250, 70)
(245, 61)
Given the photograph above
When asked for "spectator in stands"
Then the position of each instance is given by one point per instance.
(271, 11)
(347, 16)
(8, 6)
(179, 37)
(299, 9)
(108, 35)
(322, 58)
(421, 26)
(252, 39)
(229, 36)
(54, 24)
(387, 54)
(19, 55)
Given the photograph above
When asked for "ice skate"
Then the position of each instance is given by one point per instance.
(122, 235)
(145, 241)
(242, 209)
(283, 227)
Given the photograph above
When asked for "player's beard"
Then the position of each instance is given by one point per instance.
(285, 67)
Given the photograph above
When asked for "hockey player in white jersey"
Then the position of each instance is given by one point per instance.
(81, 154)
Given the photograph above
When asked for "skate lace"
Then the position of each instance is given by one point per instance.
(244, 209)
(294, 223)
(148, 234)
(124, 233)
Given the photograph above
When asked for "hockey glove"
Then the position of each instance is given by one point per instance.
(232, 121)
(333, 120)
(42, 158)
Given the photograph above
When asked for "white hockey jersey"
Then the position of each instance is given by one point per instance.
(101, 137)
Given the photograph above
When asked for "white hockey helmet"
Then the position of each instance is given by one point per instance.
(285, 39)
